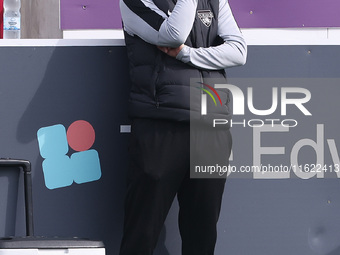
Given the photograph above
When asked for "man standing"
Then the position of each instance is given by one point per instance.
(169, 43)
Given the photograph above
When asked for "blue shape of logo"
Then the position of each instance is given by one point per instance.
(52, 141)
(59, 169)
(58, 172)
(86, 166)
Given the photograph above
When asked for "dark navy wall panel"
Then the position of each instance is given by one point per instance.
(48, 86)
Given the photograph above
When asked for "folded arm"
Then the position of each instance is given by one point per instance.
(232, 52)
(144, 19)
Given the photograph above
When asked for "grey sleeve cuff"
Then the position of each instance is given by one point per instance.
(184, 54)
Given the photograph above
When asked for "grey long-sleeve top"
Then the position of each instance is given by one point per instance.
(144, 19)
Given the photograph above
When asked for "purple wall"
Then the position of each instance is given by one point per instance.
(104, 14)
(87, 14)
(288, 13)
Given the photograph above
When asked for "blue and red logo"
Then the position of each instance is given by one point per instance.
(61, 170)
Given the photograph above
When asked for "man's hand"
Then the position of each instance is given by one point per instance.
(172, 52)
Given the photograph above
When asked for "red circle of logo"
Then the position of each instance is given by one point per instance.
(80, 135)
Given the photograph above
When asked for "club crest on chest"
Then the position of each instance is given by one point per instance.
(205, 16)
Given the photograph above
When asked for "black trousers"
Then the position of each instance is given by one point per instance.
(159, 170)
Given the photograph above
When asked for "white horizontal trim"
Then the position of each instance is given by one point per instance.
(60, 42)
(94, 34)
(292, 36)
(253, 36)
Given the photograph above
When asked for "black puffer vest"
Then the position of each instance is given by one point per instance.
(166, 88)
